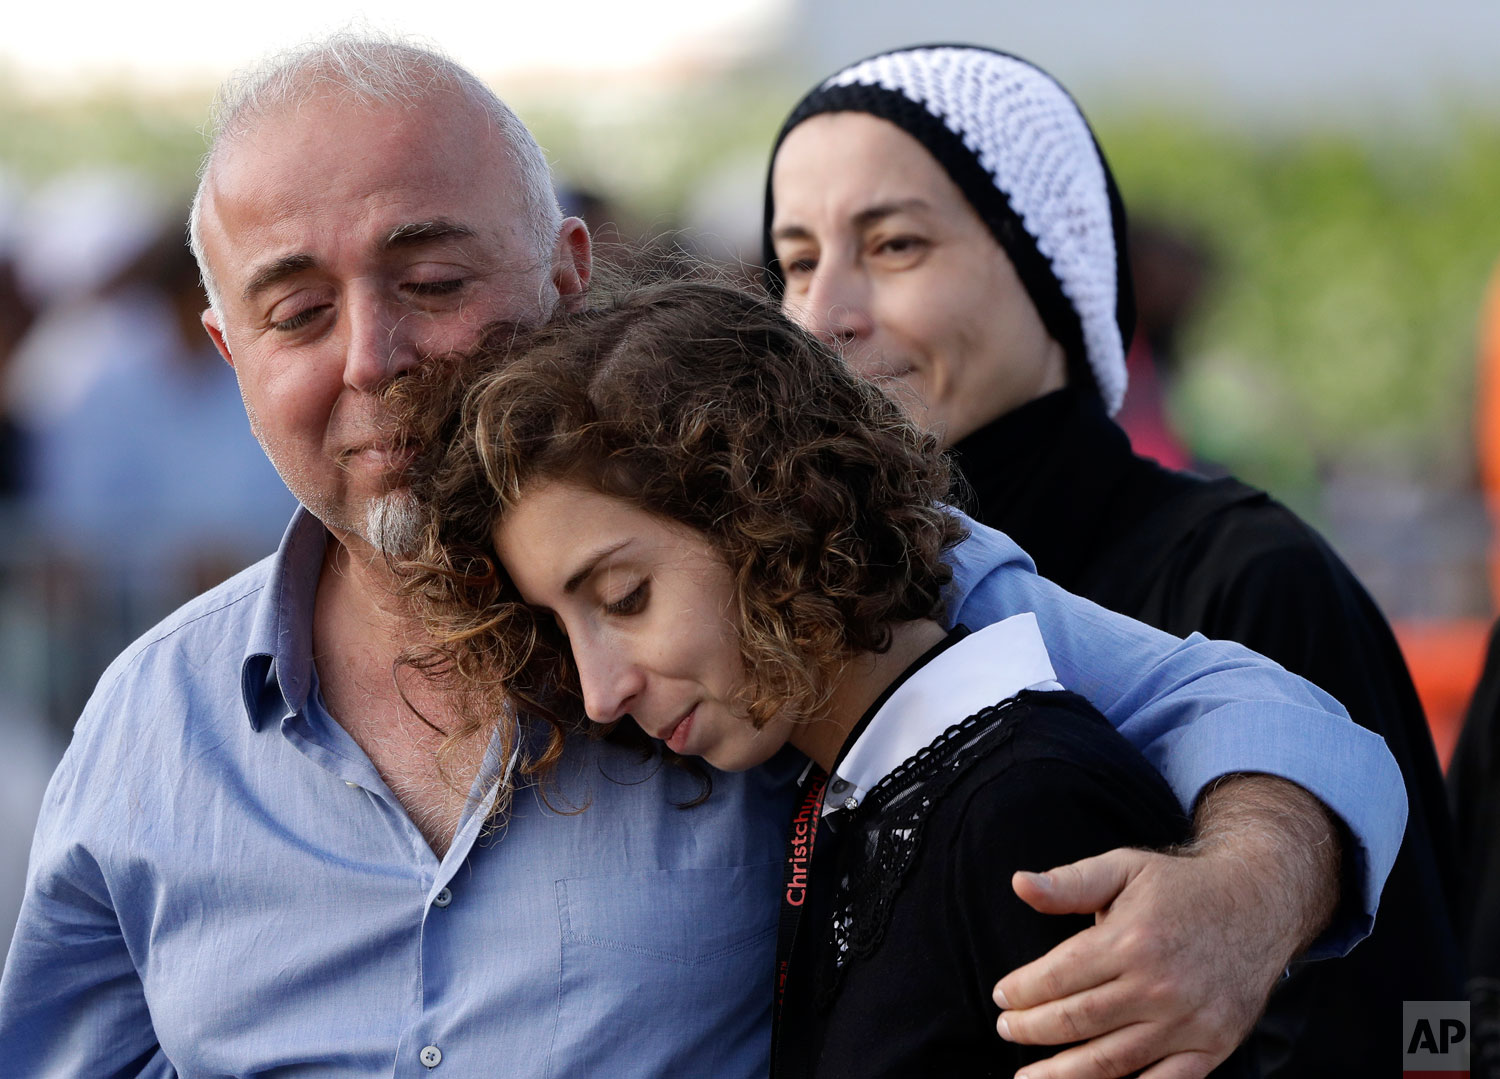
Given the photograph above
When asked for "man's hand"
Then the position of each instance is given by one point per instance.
(1185, 947)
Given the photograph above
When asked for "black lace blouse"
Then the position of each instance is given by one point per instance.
(911, 918)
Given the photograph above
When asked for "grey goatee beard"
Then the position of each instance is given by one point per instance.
(393, 523)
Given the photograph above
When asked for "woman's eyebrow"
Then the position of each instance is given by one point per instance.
(881, 210)
(861, 220)
(571, 585)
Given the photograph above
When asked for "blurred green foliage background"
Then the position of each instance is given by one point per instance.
(1341, 333)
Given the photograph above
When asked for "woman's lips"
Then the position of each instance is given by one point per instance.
(676, 739)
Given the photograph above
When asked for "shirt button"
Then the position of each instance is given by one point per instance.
(431, 1056)
(442, 899)
(350, 783)
(839, 786)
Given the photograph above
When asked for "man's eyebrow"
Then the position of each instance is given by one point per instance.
(863, 219)
(571, 585)
(275, 271)
(426, 232)
(413, 233)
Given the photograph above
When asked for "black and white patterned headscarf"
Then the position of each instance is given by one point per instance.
(1022, 153)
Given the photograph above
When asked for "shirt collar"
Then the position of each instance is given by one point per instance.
(276, 672)
(983, 669)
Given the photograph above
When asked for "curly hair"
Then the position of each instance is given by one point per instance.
(704, 406)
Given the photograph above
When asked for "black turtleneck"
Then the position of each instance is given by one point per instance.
(1187, 554)
(1055, 475)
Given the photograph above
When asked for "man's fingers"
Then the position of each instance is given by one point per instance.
(1083, 887)
(1074, 1018)
(1110, 1057)
(1081, 962)
(1182, 1066)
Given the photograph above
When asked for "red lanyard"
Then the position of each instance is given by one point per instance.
(794, 880)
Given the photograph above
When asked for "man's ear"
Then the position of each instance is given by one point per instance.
(572, 263)
(216, 334)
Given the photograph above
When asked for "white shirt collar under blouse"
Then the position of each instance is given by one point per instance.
(984, 668)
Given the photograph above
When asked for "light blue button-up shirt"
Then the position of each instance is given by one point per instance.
(222, 885)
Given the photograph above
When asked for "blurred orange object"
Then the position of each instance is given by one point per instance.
(1445, 658)
(1487, 422)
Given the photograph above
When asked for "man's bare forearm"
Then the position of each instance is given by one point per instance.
(1288, 844)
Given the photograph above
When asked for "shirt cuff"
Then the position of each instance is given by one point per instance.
(1345, 766)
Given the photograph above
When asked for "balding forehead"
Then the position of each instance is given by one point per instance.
(365, 73)
(358, 66)
(442, 142)
(341, 171)
(320, 112)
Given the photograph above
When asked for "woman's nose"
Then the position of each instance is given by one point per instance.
(611, 682)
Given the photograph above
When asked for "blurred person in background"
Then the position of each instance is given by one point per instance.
(631, 250)
(145, 485)
(76, 240)
(17, 313)
(255, 857)
(28, 748)
(1169, 270)
(152, 475)
(945, 216)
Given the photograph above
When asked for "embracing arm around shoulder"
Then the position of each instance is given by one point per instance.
(1186, 946)
(1317, 802)
(1200, 710)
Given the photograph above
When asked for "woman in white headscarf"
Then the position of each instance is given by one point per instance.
(945, 216)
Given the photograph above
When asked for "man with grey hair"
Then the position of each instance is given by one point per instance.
(426, 115)
(255, 859)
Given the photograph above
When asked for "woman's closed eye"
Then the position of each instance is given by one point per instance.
(633, 602)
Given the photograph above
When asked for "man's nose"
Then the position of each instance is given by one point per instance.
(381, 342)
(836, 305)
(611, 683)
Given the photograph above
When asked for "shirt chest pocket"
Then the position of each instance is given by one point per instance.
(676, 965)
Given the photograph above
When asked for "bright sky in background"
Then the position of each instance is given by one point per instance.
(1284, 58)
(53, 46)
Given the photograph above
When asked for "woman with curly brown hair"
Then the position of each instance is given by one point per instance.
(685, 514)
